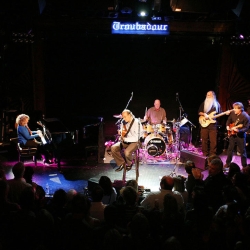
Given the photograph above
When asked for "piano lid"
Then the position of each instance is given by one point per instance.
(55, 126)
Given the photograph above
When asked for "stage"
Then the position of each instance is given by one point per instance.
(77, 174)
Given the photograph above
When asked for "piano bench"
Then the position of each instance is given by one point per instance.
(25, 152)
(88, 149)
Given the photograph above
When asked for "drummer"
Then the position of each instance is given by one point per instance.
(156, 114)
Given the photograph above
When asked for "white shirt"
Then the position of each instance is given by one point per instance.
(136, 131)
(149, 201)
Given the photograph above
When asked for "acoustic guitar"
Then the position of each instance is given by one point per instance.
(211, 118)
(123, 132)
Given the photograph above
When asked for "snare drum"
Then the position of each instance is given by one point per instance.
(155, 145)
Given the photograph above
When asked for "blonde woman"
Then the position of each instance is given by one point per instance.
(27, 138)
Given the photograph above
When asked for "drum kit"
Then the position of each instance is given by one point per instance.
(160, 140)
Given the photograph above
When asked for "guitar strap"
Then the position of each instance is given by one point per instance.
(127, 132)
(129, 127)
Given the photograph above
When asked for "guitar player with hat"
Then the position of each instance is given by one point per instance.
(237, 124)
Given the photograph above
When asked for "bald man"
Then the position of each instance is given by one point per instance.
(166, 186)
(156, 114)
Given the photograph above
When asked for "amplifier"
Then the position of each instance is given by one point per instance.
(200, 161)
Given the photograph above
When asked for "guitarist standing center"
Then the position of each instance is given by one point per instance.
(209, 133)
(237, 125)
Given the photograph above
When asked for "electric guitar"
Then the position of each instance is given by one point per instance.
(204, 122)
(231, 126)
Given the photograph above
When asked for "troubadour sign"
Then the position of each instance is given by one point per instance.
(140, 28)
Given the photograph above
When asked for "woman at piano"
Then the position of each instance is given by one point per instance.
(27, 138)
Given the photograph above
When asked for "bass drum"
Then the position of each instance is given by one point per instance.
(155, 145)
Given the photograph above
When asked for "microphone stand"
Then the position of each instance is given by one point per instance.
(178, 130)
(180, 106)
(192, 125)
(119, 121)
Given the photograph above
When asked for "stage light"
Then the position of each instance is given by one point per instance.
(241, 36)
(142, 13)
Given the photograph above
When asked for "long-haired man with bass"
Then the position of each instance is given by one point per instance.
(209, 129)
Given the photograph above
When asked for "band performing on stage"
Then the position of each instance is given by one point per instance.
(155, 137)
(159, 139)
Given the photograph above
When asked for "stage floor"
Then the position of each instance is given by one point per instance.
(76, 174)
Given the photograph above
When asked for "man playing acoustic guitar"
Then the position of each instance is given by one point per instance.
(130, 135)
(237, 125)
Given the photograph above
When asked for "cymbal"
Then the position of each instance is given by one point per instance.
(117, 116)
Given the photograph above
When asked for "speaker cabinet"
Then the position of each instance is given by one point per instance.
(200, 161)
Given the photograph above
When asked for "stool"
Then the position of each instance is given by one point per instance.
(89, 149)
(25, 152)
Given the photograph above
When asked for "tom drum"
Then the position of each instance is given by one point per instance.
(150, 128)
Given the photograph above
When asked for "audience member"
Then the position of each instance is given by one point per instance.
(230, 195)
(18, 184)
(110, 193)
(138, 236)
(198, 221)
(233, 168)
(77, 227)
(239, 180)
(166, 186)
(127, 207)
(190, 182)
(172, 220)
(5, 205)
(69, 197)
(179, 185)
(24, 221)
(97, 207)
(110, 218)
(172, 244)
(213, 184)
(112, 240)
(56, 206)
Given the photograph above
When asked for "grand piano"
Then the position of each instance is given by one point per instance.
(59, 138)
(84, 133)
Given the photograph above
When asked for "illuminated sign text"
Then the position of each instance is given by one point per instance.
(140, 28)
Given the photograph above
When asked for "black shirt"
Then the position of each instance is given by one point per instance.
(243, 118)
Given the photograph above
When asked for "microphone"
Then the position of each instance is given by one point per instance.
(177, 95)
(131, 96)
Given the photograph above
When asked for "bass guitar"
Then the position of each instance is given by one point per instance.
(204, 122)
